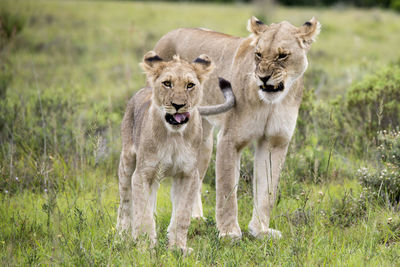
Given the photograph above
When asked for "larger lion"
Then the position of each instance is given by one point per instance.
(266, 71)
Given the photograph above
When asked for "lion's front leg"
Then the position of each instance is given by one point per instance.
(268, 162)
(125, 171)
(183, 193)
(227, 179)
(144, 186)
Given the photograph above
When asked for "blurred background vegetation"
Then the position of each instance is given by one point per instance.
(67, 70)
(393, 4)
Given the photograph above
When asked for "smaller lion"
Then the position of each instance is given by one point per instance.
(161, 136)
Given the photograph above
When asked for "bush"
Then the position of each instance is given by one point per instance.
(315, 142)
(384, 183)
(10, 26)
(395, 5)
(374, 103)
(369, 106)
(49, 138)
(348, 123)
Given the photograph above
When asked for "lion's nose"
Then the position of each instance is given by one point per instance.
(177, 106)
(265, 79)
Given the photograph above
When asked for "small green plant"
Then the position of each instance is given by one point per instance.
(10, 25)
(347, 210)
(384, 183)
(391, 228)
(389, 148)
(5, 80)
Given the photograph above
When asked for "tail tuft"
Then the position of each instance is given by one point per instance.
(224, 84)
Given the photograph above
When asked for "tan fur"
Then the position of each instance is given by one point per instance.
(266, 117)
(153, 148)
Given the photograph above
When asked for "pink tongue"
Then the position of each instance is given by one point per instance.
(179, 117)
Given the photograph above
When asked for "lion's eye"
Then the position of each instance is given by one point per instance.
(258, 55)
(282, 56)
(167, 84)
(190, 85)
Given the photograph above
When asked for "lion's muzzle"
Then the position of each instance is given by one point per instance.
(177, 118)
(272, 88)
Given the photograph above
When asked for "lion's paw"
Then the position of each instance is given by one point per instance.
(270, 233)
(186, 251)
(198, 218)
(123, 228)
(233, 235)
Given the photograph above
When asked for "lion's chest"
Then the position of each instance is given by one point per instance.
(251, 125)
(176, 156)
(281, 122)
(268, 121)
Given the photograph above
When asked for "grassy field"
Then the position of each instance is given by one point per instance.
(68, 75)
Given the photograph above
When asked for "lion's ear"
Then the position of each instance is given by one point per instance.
(256, 26)
(151, 63)
(203, 67)
(308, 32)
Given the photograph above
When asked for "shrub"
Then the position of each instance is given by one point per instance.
(369, 106)
(50, 137)
(312, 162)
(395, 5)
(383, 184)
(10, 26)
(315, 141)
(374, 103)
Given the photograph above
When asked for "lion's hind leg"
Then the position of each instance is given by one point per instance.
(126, 168)
(227, 179)
(204, 157)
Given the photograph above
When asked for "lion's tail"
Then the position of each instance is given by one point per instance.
(229, 96)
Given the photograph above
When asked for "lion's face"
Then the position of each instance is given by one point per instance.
(177, 86)
(280, 55)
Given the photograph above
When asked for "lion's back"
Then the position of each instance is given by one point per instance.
(189, 43)
(136, 110)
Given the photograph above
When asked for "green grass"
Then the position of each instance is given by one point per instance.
(77, 227)
(75, 65)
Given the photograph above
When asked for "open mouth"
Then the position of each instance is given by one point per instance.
(272, 88)
(177, 118)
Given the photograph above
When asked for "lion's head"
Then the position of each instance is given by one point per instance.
(177, 85)
(280, 55)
